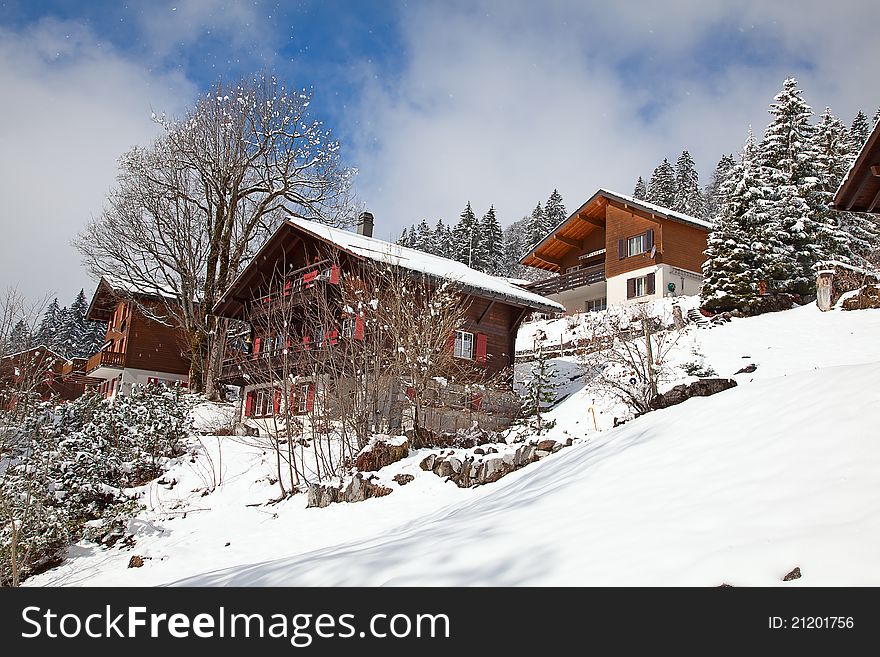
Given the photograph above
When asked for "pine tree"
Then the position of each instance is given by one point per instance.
(541, 389)
(50, 326)
(424, 237)
(788, 159)
(738, 254)
(515, 247)
(714, 196)
(20, 338)
(661, 187)
(403, 240)
(442, 240)
(491, 244)
(859, 131)
(554, 210)
(688, 197)
(538, 226)
(876, 117)
(641, 191)
(465, 236)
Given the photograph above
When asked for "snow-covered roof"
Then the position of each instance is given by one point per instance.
(122, 285)
(858, 189)
(655, 209)
(435, 266)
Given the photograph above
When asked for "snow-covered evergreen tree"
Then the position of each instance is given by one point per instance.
(403, 240)
(515, 247)
(713, 194)
(442, 240)
(641, 190)
(876, 117)
(688, 196)
(737, 255)
(424, 237)
(50, 326)
(788, 159)
(19, 339)
(538, 226)
(491, 244)
(859, 131)
(661, 187)
(540, 390)
(554, 210)
(465, 237)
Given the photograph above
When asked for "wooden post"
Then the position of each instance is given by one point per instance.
(824, 283)
(677, 317)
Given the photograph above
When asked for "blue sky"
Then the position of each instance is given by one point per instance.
(435, 103)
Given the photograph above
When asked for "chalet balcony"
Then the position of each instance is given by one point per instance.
(105, 364)
(569, 281)
(300, 287)
(241, 369)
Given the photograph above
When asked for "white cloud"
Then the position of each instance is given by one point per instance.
(500, 103)
(71, 106)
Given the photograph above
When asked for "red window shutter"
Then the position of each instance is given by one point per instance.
(476, 401)
(287, 286)
(358, 328)
(309, 278)
(621, 249)
(310, 399)
(649, 280)
(410, 392)
(306, 340)
(334, 274)
(276, 405)
(481, 347)
(333, 336)
(257, 346)
(649, 240)
(630, 288)
(249, 404)
(450, 343)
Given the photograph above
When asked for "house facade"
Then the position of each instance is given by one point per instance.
(306, 266)
(40, 372)
(615, 249)
(138, 348)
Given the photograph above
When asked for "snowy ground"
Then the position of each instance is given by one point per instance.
(738, 488)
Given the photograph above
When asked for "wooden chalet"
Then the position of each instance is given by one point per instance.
(42, 372)
(616, 249)
(860, 190)
(137, 347)
(307, 262)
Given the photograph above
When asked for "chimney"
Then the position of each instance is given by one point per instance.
(365, 224)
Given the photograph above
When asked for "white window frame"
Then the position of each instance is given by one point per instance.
(347, 328)
(596, 305)
(264, 402)
(302, 398)
(464, 345)
(640, 287)
(639, 242)
(568, 270)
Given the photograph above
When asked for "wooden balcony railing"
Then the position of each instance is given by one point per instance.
(569, 281)
(105, 359)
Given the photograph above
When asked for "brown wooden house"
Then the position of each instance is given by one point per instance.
(306, 262)
(616, 249)
(42, 373)
(860, 190)
(138, 348)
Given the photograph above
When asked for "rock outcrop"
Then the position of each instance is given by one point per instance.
(379, 453)
(683, 392)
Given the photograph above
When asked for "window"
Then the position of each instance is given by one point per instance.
(464, 345)
(636, 245)
(640, 286)
(302, 398)
(571, 269)
(347, 327)
(595, 305)
(319, 335)
(264, 400)
(630, 246)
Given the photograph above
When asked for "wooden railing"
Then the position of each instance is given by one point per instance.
(298, 287)
(571, 280)
(105, 359)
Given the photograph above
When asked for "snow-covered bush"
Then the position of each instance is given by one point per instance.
(63, 476)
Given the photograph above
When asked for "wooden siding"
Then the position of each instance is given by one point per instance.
(496, 326)
(683, 246)
(151, 345)
(623, 224)
(593, 241)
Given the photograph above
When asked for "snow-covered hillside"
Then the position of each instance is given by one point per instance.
(739, 488)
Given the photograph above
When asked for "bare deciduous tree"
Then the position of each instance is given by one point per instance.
(188, 211)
